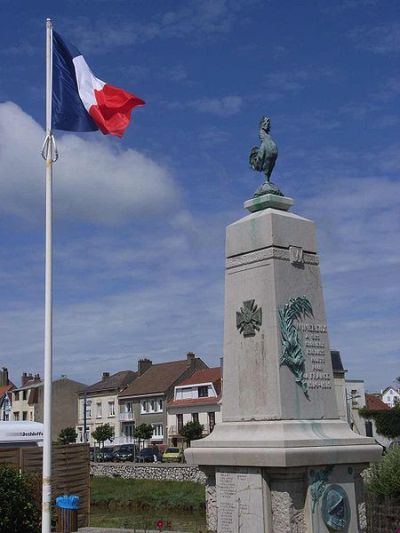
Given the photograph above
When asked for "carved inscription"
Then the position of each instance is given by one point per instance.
(239, 500)
(314, 344)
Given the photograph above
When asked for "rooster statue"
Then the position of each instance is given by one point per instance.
(262, 158)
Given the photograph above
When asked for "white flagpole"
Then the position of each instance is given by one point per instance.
(48, 154)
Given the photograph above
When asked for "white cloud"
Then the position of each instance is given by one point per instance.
(380, 39)
(93, 180)
(223, 106)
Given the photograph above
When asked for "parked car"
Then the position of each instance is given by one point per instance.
(172, 455)
(94, 454)
(146, 455)
(106, 454)
(125, 452)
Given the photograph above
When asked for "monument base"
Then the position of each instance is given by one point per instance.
(268, 200)
(285, 500)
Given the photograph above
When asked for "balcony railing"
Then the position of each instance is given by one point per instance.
(173, 430)
(126, 417)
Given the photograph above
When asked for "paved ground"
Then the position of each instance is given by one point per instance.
(114, 530)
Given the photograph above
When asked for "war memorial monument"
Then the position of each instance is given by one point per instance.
(281, 461)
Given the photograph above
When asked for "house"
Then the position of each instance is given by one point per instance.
(101, 403)
(198, 399)
(28, 402)
(144, 401)
(6, 386)
(391, 396)
(374, 403)
(26, 397)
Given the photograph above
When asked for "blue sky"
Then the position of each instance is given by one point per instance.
(139, 223)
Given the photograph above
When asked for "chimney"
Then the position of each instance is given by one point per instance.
(143, 365)
(36, 379)
(24, 379)
(105, 375)
(3, 376)
(191, 359)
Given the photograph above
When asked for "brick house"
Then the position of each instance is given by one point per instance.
(144, 401)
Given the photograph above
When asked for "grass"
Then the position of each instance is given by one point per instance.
(145, 493)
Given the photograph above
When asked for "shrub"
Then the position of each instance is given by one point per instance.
(67, 436)
(387, 422)
(383, 478)
(19, 506)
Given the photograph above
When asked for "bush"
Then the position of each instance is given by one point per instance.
(383, 478)
(387, 422)
(19, 506)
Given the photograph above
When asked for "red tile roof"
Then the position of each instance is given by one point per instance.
(4, 389)
(195, 401)
(205, 375)
(375, 404)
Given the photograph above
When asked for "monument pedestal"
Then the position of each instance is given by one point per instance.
(281, 460)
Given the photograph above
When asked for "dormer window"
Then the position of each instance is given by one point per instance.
(203, 391)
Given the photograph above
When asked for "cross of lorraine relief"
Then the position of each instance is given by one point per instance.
(249, 318)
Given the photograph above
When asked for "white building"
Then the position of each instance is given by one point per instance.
(102, 406)
(355, 397)
(390, 396)
(197, 399)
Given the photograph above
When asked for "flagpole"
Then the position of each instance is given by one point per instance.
(48, 324)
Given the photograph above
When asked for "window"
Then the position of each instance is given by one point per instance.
(16, 396)
(179, 423)
(158, 430)
(88, 408)
(31, 416)
(24, 415)
(151, 406)
(24, 392)
(16, 416)
(111, 409)
(195, 417)
(98, 410)
(203, 391)
(211, 420)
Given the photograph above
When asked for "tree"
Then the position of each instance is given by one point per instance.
(67, 436)
(19, 502)
(143, 432)
(103, 433)
(192, 431)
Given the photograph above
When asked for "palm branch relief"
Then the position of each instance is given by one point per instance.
(292, 351)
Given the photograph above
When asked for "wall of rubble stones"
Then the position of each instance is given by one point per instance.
(170, 472)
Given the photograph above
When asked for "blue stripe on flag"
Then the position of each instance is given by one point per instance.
(69, 113)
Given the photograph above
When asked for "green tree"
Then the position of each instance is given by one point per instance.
(103, 433)
(19, 502)
(143, 432)
(192, 431)
(67, 436)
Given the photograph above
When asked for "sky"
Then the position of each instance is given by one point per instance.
(139, 223)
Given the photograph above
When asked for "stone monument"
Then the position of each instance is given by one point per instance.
(281, 461)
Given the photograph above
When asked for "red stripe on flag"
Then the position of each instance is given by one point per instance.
(112, 113)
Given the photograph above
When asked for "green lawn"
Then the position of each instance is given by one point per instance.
(137, 503)
(172, 495)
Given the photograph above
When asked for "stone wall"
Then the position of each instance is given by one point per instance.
(170, 472)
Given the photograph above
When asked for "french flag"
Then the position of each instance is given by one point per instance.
(82, 102)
